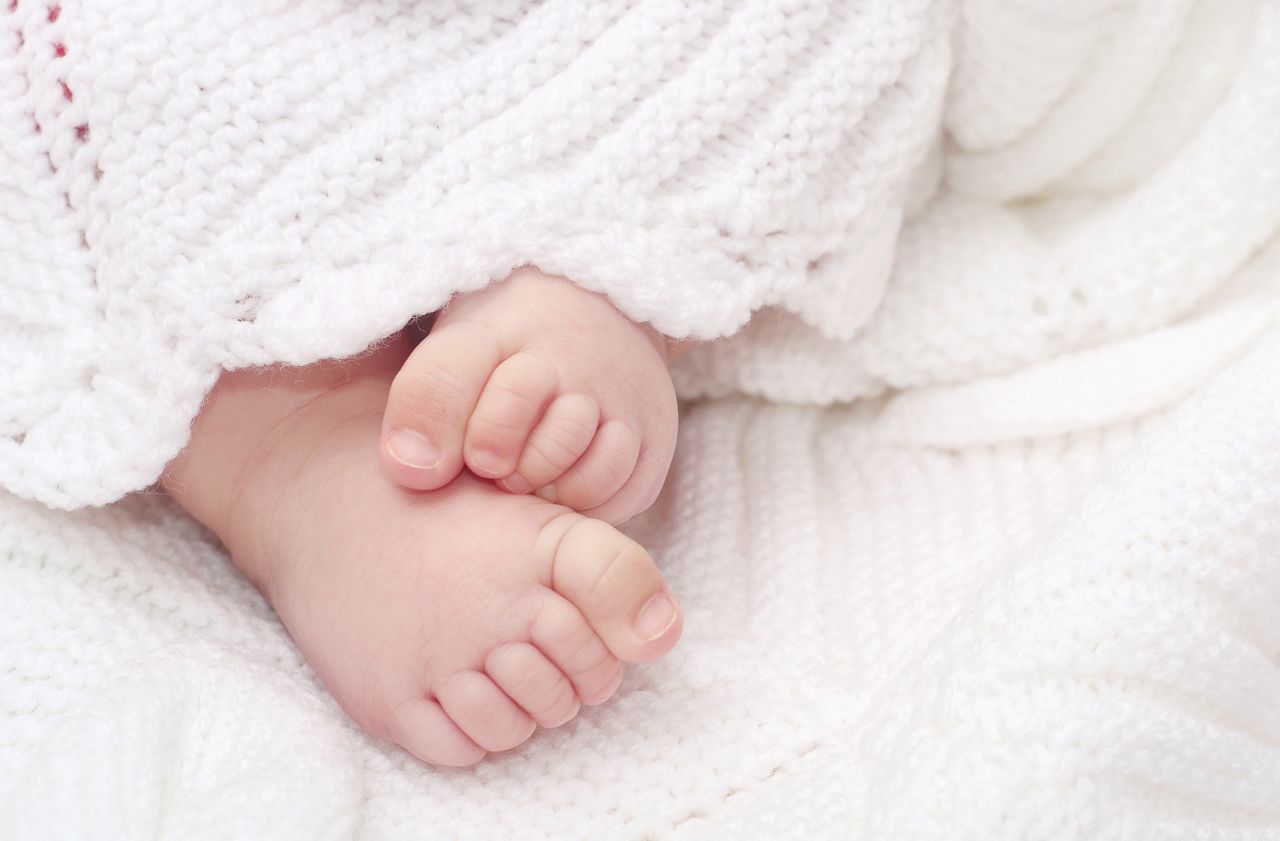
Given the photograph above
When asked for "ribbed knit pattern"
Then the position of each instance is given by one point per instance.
(1009, 571)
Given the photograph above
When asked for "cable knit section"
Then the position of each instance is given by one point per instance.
(203, 186)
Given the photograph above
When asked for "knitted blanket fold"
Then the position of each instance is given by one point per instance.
(976, 522)
(189, 187)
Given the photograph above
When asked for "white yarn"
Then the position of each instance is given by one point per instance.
(1069, 638)
(195, 186)
(1024, 587)
(1084, 255)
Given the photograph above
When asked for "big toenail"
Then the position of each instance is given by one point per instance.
(547, 492)
(412, 449)
(655, 617)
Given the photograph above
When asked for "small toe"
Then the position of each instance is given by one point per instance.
(602, 471)
(560, 631)
(513, 400)
(533, 682)
(561, 437)
(614, 583)
(483, 711)
(420, 726)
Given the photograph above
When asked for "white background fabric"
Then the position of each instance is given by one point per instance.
(1071, 638)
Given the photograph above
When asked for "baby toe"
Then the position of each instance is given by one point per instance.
(429, 404)
(556, 443)
(533, 682)
(483, 711)
(512, 402)
(601, 472)
(562, 633)
(614, 583)
(422, 727)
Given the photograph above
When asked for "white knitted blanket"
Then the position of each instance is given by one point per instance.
(976, 524)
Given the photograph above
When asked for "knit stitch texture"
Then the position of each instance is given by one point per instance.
(197, 186)
(1007, 566)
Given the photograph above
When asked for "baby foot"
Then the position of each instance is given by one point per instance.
(541, 386)
(451, 623)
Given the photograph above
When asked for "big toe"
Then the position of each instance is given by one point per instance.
(430, 401)
(614, 584)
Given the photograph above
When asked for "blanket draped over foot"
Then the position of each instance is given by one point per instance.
(975, 517)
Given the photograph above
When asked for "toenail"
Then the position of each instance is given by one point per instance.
(411, 449)
(547, 492)
(516, 484)
(657, 615)
(485, 462)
